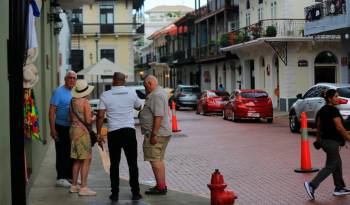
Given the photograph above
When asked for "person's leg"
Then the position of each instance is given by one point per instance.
(85, 170)
(66, 149)
(338, 172)
(76, 169)
(114, 148)
(158, 168)
(332, 150)
(59, 146)
(130, 150)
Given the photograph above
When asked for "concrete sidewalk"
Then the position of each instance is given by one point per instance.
(44, 191)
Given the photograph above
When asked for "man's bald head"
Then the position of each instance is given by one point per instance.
(150, 83)
(119, 79)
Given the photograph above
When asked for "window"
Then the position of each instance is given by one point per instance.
(77, 21)
(316, 91)
(77, 60)
(108, 54)
(260, 14)
(106, 19)
(248, 5)
(247, 19)
(274, 10)
(261, 1)
(254, 95)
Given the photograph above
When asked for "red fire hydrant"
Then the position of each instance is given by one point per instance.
(218, 194)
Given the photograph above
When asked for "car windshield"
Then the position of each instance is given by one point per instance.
(254, 94)
(344, 92)
(217, 94)
(191, 90)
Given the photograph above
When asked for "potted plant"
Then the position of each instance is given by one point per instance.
(224, 40)
(271, 31)
(240, 37)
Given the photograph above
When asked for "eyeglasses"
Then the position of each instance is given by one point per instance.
(71, 78)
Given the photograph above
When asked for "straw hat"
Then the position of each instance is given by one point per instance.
(81, 89)
(30, 72)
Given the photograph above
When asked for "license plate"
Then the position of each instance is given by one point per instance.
(253, 114)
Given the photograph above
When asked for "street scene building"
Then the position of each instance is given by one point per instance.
(221, 54)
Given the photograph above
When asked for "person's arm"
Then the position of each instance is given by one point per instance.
(157, 120)
(52, 116)
(88, 118)
(339, 126)
(99, 123)
(318, 133)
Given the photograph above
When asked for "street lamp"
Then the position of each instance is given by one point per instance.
(97, 38)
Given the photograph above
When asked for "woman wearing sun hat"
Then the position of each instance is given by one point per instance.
(80, 138)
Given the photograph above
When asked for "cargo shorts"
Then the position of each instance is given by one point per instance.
(155, 152)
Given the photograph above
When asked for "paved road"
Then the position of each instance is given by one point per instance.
(257, 160)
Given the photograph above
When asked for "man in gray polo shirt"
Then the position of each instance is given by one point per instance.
(118, 104)
(156, 129)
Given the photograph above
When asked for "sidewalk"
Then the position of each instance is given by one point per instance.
(44, 191)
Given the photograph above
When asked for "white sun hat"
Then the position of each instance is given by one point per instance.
(81, 89)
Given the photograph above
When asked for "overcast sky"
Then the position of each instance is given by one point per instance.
(152, 3)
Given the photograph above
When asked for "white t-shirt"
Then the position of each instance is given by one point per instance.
(119, 103)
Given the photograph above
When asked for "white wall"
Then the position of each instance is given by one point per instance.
(64, 47)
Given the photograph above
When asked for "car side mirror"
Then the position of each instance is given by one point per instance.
(299, 96)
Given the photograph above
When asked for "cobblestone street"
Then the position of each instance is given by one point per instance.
(257, 160)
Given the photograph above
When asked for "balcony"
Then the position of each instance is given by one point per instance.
(209, 51)
(184, 56)
(328, 17)
(115, 29)
(212, 9)
(265, 28)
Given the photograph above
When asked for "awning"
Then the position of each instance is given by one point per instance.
(103, 67)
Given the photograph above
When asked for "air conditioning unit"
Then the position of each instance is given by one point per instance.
(232, 25)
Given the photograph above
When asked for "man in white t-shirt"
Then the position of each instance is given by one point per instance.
(119, 104)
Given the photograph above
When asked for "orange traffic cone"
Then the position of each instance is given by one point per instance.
(305, 151)
(173, 118)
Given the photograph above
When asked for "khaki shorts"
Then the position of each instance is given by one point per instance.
(155, 152)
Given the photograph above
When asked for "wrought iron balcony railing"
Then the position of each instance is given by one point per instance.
(264, 28)
(116, 28)
(325, 8)
(211, 7)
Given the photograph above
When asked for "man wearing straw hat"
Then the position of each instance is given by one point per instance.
(59, 128)
(119, 104)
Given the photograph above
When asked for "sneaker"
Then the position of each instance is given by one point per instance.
(63, 183)
(86, 192)
(156, 191)
(114, 197)
(136, 197)
(341, 191)
(309, 190)
(74, 189)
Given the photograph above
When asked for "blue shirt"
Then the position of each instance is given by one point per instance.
(61, 98)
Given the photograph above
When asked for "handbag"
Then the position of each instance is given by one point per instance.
(92, 134)
(317, 145)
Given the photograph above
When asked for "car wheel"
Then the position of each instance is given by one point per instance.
(204, 112)
(294, 124)
(269, 120)
(194, 107)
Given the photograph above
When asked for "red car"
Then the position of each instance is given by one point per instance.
(212, 101)
(250, 104)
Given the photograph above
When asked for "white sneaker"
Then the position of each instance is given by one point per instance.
(86, 192)
(63, 183)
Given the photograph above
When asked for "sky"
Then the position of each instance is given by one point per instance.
(152, 3)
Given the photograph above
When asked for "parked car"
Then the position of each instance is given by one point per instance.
(186, 96)
(313, 100)
(212, 101)
(250, 104)
(140, 91)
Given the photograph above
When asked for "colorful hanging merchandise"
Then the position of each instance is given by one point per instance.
(31, 116)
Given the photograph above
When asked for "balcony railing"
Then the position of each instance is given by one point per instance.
(183, 56)
(209, 51)
(211, 7)
(116, 28)
(326, 8)
(264, 28)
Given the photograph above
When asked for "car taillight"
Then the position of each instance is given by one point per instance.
(342, 101)
(210, 100)
(269, 101)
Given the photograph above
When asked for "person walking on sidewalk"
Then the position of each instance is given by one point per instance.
(59, 128)
(119, 104)
(331, 134)
(156, 130)
(81, 116)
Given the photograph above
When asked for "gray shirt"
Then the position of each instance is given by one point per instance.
(156, 105)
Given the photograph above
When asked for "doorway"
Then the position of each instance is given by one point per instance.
(325, 67)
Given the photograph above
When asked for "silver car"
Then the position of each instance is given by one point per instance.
(313, 100)
(186, 96)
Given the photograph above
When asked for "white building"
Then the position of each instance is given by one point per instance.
(64, 48)
(283, 61)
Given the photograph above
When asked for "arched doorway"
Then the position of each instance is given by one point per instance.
(325, 67)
